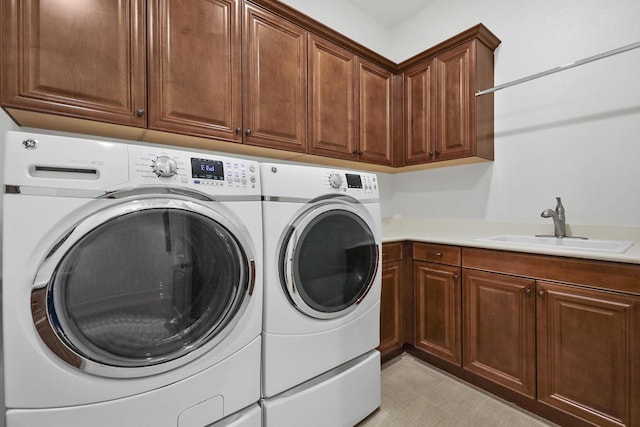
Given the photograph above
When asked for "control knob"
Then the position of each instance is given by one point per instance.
(335, 180)
(165, 166)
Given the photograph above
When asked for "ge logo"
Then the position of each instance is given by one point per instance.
(30, 144)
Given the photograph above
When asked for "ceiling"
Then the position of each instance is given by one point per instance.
(389, 14)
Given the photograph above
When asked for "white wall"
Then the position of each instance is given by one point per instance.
(575, 134)
(347, 20)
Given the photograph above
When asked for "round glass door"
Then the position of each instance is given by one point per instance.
(147, 286)
(330, 262)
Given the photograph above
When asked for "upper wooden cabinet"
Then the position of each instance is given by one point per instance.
(444, 120)
(375, 97)
(255, 72)
(350, 105)
(194, 68)
(195, 80)
(332, 100)
(420, 113)
(274, 81)
(76, 58)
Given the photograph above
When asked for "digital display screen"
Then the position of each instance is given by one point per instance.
(354, 181)
(207, 169)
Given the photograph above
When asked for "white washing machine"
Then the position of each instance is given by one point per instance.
(132, 284)
(322, 240)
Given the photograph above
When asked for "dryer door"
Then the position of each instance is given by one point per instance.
(142, 287)
(329, 260)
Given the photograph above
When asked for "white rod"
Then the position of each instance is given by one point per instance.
(560, 68)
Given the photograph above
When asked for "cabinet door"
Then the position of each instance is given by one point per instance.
(194, 76)
(437, 301)
(499, 329)
(331, 100)
(588, 353)
(76, 58)
(391, 308)
(420, 113)
(375, 96)
(456, 103)
(274, 81)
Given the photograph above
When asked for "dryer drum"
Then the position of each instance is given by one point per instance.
(331, 262)
(146, 287)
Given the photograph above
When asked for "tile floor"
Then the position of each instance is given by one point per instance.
(417, 394)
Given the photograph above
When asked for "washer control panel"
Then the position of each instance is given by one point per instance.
(335, 180)
(164, 166)
(201, 171)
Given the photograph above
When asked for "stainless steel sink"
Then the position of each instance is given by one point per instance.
(617, 246)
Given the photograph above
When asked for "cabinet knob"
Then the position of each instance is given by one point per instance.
(248, 132)
(437, 152)
(527, 291)
(430, 154)
(455, 277)
(238, 130)
(438, 254)
(140, 112)
(541, 293)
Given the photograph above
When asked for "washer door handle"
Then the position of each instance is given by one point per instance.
(291, 249)
(375, 272)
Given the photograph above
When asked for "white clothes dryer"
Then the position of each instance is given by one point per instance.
(132, 284)
(341, 397)
(322, 239)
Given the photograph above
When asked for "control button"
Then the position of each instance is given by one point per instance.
(252, 168)
(252, 179)
(164, 166)
(335, 180)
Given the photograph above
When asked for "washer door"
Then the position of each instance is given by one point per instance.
(142, 287)
(329, 261)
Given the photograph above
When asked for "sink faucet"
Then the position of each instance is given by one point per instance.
(559, 225)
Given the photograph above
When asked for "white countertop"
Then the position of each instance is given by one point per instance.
(466, 233)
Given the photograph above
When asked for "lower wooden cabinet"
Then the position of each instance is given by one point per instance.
(391, 301)
(499, 329)
(557, 330)
(391, 308)
(558, 336)
(437, 305)
(589, 353)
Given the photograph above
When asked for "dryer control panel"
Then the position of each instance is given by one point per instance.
(353, 182)
(310, 182)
